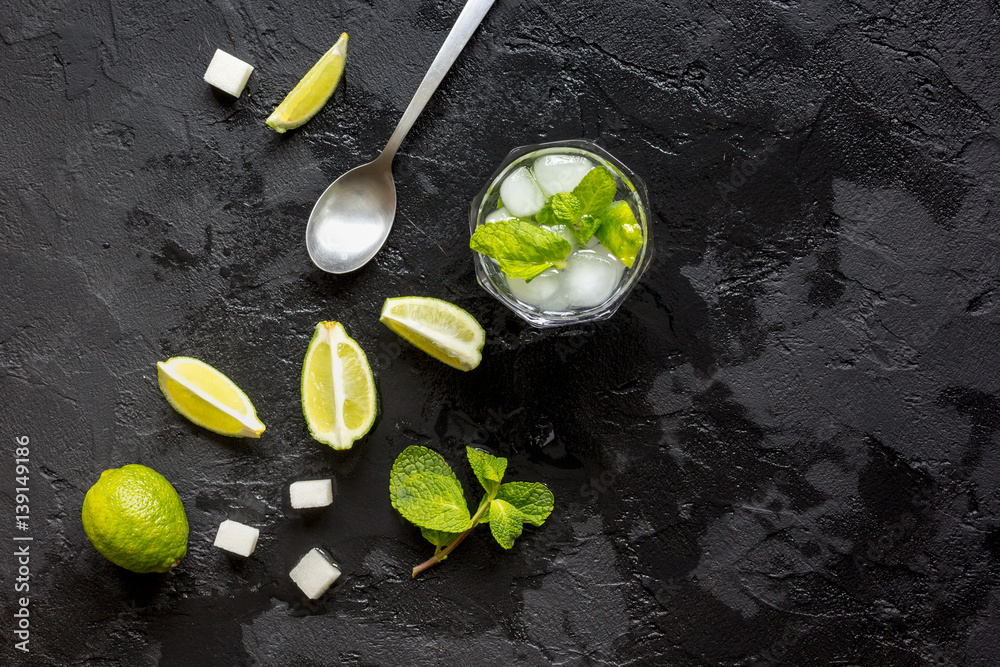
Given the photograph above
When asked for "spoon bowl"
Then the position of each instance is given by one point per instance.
(352, 218)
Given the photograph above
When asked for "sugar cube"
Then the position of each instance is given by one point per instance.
(311, 493)
(237, 538)
(314, 573)
(228, 73)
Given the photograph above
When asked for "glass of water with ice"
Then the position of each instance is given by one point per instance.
(593, 280)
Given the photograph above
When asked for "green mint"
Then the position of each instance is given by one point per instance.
(584, 228)
(488, 469)
(438, 538)
(424, 489)
(620, 233)
(506, 522)
(419, 459)
(544, 217)
(595, 191)
(533, 500)
(523, 270)
(561, 209)
(433, 501)
(520, 247)
(579, 210)
(566, 208)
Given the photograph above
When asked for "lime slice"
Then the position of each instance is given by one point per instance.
(338, 390)
(207, 397)
(312, 92)
(441, 329)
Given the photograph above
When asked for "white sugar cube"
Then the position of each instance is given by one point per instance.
(228, 73)
(237, 538)
(314, 573)
(311, 493)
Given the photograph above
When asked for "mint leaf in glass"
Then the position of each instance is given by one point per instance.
(488, 469)
(506, 522)
(532, 499)
(523, 270)
(596, 191)
(620, 233)
(522, 248)
(566, 208)
(584, 228)
(545, 216)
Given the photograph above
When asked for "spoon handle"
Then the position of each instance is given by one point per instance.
(466, 24)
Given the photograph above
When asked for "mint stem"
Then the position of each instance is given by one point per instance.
(441, 554)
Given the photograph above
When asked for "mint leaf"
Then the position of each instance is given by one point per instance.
(433, 501)
(545, 217)
(438, 538)
(416, 459)
(489, 469)
(532, 499)
(595, 191)
(523, 270)
(620, 232)
(506, 522)
(584, 228)
(520, 241)
(566, 208)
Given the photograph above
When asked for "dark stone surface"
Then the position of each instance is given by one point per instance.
(781, 450)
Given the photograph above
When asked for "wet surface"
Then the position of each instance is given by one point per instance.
(782, 449)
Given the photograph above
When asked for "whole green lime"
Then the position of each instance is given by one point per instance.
(135, 518)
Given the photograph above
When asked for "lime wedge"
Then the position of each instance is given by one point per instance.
(207, 397)
(312, 92)
(441, 329)
(338, 390)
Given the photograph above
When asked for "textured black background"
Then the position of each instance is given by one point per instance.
(782, 449)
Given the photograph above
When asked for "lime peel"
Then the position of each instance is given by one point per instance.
(134, 518)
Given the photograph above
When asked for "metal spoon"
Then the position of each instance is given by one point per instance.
(352, 218)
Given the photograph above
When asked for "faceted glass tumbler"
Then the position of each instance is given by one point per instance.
(630, 189)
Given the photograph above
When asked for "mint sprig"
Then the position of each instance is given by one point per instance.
(424, 489)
